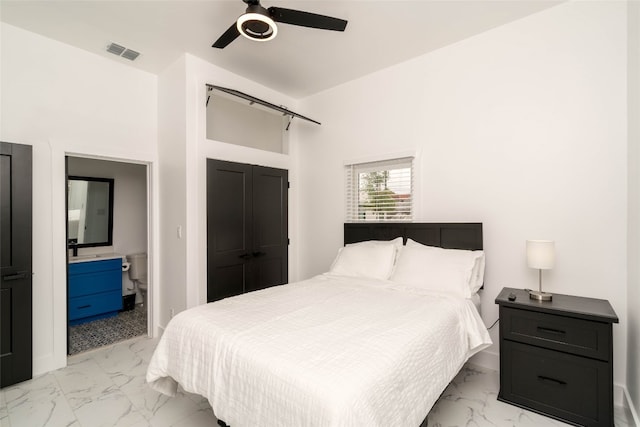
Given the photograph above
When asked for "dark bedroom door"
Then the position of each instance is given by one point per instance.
(15, 263)
(247, 228)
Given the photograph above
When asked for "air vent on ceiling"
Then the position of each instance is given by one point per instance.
(116, 49)
(122, 51)
(130, 54)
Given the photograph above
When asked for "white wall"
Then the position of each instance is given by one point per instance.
(200, 73)
(183, 150)
(234, 121)
(633, 287)
(129, 207)
(172, 159)
(522, 128)
(63, 100)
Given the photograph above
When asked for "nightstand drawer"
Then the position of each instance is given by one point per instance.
(577, 336)
(569, 387)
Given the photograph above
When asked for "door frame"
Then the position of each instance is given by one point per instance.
(152, 254)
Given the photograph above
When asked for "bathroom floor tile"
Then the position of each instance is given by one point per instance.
(103, 332)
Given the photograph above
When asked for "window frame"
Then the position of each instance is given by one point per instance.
(353, 190)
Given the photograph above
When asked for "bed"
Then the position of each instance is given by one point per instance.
(369, 343)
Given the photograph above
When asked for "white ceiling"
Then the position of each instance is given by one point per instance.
(298, 62)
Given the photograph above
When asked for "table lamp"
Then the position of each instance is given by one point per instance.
(541, 254)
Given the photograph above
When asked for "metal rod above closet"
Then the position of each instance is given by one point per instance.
(253, 99)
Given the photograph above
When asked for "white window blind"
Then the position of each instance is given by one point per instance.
(380, 191)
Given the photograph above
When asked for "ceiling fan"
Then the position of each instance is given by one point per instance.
(259, 24)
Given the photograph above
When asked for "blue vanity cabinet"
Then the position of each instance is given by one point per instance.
(95, 290)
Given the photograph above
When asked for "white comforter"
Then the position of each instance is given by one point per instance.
(329, 351)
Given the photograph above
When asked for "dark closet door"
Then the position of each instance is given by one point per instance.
(270, 228)
(247, 236)
(229, 231)
(15, 263)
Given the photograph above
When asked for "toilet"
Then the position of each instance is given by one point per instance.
(138, 273)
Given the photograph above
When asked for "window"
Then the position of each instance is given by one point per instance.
(380, 191)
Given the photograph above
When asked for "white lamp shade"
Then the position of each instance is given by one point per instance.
(541, 254)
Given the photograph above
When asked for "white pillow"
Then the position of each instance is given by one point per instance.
(477, 276)
(448, 271)
(373, 259)
(463, 257)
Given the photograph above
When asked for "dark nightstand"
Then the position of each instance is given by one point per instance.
(556, 357)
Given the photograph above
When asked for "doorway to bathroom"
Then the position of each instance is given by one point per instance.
(107, 245)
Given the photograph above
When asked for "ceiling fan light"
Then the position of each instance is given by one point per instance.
(250, 25)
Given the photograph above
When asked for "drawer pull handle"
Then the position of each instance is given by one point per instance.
(551, 380)
(84, 306)
(551, 330)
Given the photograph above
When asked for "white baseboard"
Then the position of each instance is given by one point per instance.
(618, 395)
(486, 359)
(43, 364)
(629, 404)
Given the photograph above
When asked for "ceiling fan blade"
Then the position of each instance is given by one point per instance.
(306, 19)
(230, 35)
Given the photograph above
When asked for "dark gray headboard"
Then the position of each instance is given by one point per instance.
(446, 235)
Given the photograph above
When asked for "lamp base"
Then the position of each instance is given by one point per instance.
(540, 296)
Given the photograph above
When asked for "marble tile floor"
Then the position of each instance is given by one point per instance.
(106, 387)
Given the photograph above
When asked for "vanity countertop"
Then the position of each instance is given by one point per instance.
(93, 257)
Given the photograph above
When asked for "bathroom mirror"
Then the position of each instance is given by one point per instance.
(89, 211)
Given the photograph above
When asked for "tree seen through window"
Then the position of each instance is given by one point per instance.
(384, 195)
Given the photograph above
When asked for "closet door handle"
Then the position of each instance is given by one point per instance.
(17, 276)
(259, 254)
(245, 256)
